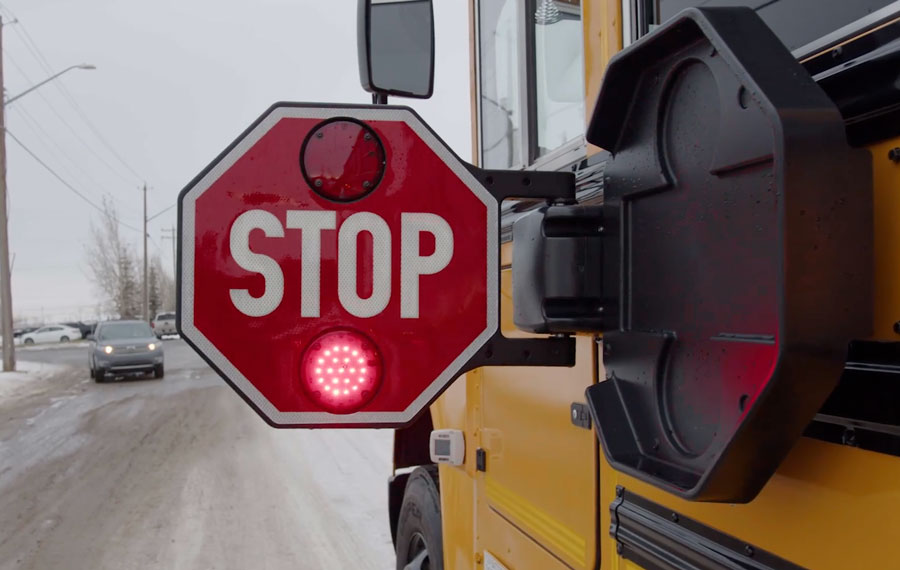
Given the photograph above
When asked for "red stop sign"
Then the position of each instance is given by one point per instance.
(338, 265)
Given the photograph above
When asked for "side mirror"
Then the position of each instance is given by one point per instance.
(396, 47)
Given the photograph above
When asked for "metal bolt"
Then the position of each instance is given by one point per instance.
(894, 154)
(849, 437)
(366, 183)
(574, 414)
(674, 517)
(318, 183)
(748, 550)
(367, 137)
(320, 134)
(620, 490)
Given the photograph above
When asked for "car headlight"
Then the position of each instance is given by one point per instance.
(108, 349)
(152, 346)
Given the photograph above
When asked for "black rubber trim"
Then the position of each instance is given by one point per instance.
(864, 409)
(655, 537)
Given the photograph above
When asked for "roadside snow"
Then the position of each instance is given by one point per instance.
(26, 372)
(52, 346)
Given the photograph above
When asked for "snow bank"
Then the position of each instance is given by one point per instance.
(26, 373)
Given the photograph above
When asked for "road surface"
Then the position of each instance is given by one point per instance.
(178, 473)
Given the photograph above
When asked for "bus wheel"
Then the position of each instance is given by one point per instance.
(419, 538)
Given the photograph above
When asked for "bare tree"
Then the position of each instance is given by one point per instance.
(164, 285)
(112, 264)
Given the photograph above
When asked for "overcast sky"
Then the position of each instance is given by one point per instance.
(176, 82)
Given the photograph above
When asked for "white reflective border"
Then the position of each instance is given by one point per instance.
(187, 265)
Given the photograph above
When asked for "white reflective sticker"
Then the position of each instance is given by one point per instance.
(311, 225)
(257, 263)
(491, 563)
(412, 265)
(381, 264)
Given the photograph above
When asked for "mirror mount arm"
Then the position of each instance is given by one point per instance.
(379, 99)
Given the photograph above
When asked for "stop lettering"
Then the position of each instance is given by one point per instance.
(312, 225)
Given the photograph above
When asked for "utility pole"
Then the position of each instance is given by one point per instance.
(6, 313)
(169, 233)
(145, 297)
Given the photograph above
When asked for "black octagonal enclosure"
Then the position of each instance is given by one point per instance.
(741, 256)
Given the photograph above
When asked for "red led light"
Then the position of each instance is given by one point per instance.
(332, 388)
(342, 160)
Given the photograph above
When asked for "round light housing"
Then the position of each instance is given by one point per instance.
(341, 371)
(108, 349)
(152, 346)
(342, 160)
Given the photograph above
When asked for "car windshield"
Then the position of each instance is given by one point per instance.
(115, 331)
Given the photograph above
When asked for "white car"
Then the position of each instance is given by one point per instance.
(51, 333)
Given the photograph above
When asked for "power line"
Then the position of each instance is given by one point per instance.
(38, 55)
(51, 144)
(32, 46)
(161, 212)
(72, 129)
(66, 184)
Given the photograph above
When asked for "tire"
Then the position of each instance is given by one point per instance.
(419, 534)
(28, 341)
(63, 339)
(159, 371)
(99, 376)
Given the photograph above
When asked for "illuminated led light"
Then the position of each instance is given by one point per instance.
(346, 348)
(327, 353)
(349, 387)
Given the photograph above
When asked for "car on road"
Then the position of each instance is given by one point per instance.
(164, 324)
(51, 333)
(84, 328)
(121, 348)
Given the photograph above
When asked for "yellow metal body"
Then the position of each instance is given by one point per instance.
(543, 501)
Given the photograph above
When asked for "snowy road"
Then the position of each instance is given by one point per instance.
(178, 473)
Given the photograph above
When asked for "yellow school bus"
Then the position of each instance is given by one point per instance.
(536, 488)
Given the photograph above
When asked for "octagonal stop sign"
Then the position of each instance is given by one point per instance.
(338, 265)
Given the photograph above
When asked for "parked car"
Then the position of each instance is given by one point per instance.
(124, 347)
(85, 329)
(51, 333)
(17, 333)
(163, 324)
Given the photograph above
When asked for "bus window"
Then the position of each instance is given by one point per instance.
(500, 95)
(559, 70)
(796, 22)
